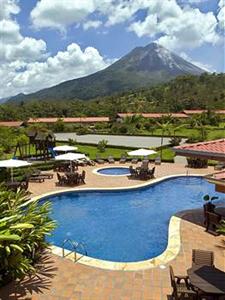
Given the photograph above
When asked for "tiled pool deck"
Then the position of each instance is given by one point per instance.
(61, 279)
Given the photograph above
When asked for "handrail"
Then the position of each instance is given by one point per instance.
(75, 245)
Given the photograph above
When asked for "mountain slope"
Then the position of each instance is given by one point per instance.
(143, 66)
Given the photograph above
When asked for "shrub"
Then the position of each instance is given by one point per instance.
(82, 130)
(23, 227)
(175, 141)
(102, 145)
(72, 142)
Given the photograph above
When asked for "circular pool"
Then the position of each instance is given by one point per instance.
(113, 171)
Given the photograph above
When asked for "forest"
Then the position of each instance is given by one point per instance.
(206, 91)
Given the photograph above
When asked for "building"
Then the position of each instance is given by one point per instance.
(213, 150)
(81, 120)
(121, 116)
(193, 112)
(15, 124)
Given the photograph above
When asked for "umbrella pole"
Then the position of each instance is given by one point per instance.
(12, 174)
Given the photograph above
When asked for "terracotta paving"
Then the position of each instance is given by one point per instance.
(93, 180)
(61, 279)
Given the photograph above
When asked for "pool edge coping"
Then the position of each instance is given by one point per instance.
(170, 253)
(95, 171)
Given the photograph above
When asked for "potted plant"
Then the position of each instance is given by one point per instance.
(209, 205)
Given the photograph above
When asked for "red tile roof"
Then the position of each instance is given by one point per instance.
(199, 111)
(70, 120)
(153, 115)
(11, 123)
(211, 149)
(217, 146)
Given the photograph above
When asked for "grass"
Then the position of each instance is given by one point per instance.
(116, 152)
(213, 133)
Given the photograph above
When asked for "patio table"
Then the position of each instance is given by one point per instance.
(207, 279)
(220, 210)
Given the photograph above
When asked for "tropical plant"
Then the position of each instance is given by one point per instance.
(59, 126)
(72, 142)
(209, 199)
(221, 228)
(23, 227)
(102, 145)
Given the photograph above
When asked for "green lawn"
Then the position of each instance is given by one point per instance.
(212, 132)
(116, 152)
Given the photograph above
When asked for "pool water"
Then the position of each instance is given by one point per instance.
(114, 171)
(125, 225)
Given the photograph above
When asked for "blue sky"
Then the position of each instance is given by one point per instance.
(48, 41)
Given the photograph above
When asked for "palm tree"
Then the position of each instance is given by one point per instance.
(199, 124)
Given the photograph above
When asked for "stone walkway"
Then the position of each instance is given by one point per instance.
(61, 279)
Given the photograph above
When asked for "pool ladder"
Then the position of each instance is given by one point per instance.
(75, 245)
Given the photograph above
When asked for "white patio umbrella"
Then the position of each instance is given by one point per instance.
(141, 152)
(13, 163)
(64, 148)
(70, 157)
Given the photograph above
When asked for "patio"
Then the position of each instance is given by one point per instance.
(62, 279)
(93, 180)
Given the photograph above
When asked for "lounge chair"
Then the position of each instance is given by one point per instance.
(202, 258)
(99, 160)
(181, 287)
(123, 159)
(219, 166)
(158, 160)
(134, 161)
(212, 222)
(44, 174)
(111, 160)
(37, 178)
(88, 161)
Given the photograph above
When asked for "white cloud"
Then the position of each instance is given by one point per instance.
(7, 8)
(221, 3)
(221, 15)
(179, 28)
(26, 66)
(65, 65)
(92, 24)
(60, 14)
(9, 32)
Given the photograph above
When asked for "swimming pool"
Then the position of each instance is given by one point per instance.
(125, 225)
(113, 171)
